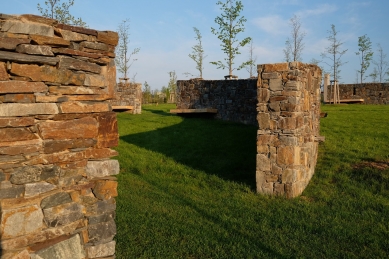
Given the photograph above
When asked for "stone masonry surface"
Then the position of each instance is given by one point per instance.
(128, 94)
(372, 93)
(284, 102)
(57, 128)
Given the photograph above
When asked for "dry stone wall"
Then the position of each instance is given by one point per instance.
(284, 101)
(235, 100)
(372, 93)
(57, 183)
(128, 94)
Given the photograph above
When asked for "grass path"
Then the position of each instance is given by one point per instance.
(186, 190)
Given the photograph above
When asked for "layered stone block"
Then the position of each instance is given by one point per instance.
(57, 128)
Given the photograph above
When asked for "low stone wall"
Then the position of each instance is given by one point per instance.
(284, 101)
(289, 119)
(372, 93)
(128, 94)
(57, 186)
(235, 100)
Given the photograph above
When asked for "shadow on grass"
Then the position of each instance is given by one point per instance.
(227, 150)
(153, 109)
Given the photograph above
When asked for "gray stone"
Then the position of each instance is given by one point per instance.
(25, 109)
(75, 64)
(70, 248)
(95, 45)
(101, 250)
(2, 175)
(63, 214)
(12, 192)
(55, 200)
(25, 58)
(33, 189)
(101, 218)
(276, 84)
(14, 26)
(34, 50)
(21, 221)
(263, 162)
(101, 232)
(31, 174)
(102, 168)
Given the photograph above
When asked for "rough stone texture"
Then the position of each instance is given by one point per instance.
(371, 93)
(129, 94)
(56, 130)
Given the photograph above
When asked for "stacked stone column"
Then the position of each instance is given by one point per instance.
(57, 129)
(288, 118)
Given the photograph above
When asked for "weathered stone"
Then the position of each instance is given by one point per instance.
(74, 36)
(293, 85)
(70, 248)
(105, 190)
(288, 140)
(96, 46)
(2, 176)
(33, 142)
(50, 98)
(12, 192)
(263, 162)
(52, 146)
(33, 189)
(100, 207)
(279, 189)
(95, 80)
(26, 109)
(78, 29)
(50, 41)
(63, 214)
(87, 107)
(100, 153)
(55, 200)
(108, 135)
(102, 232)
(276, 85)
(75, 90)
(16, 134)
(18, 255)
(97, 169)
(34, 50)
(108, 37)
(273, 75)
(289, 176)
(22, 87)
(31, 174)
(109, 72)
(38, 19)
(18, 98)
(11, 159)
(263, 95)
(101, 218)
(3, 72)
(21, 221)
(14, 26)
(277, 67)
(80, 128)
(18, 150)
(288, 155)
(101, 250)
(263, 120)
(12, 43)
(74, 52)
(75, 64)
(24, 58)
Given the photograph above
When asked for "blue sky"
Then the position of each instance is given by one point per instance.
(163, 29)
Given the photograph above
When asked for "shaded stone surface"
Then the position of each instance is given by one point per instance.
(13, 192)
(101, 250)
(14, 26)
(102, 232)
(102, 168)
(11, 43)
(25, 58)
(34, 50)
(22, 87)
(52, 146)
(55, 200)
(70, 248)
(75, 64)
(84, 107)
(16, 134)
(27, 109)
(63, 214)
(105, 190)
(31, 174)
(80, 128)
(33, 189)
(108, 135)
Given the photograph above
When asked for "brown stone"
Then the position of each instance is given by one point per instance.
(22, 87)
(51, 98)
(39, 19)
(265, 139)
(52, 146)
(3, 72)
(73, 52)
(18, 150)
(100, 97)
(18, 255)
(95, 81)
(108, 37)
(288, 155)
(279, 189)
(75, 90)
(263, 120)
(34, 50)
(19, 98)
(263, 95)
(96, 46)
(50, 41)
(108, 130)
(77, 29)
(24, 58)
(277, 67)
(276, 85)
(273, 75)
(26, 109)
(16, 122)
(12, 43)
(109, 72)
(75, 64)
(15, 26)
(74, 36)
(16, 134)
(289, 176)
(99, 153)
(288, 123)
(80, 128)
(105, 190)
(87, 107)
(263, 162)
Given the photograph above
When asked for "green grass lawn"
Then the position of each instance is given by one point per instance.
(187, 190)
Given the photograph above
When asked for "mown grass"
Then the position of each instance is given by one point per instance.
(187, 190)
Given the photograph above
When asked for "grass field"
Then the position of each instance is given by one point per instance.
(187, 190)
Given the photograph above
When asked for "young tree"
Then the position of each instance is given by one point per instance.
(374, 75)
(366, 55)
(230, 25)
(295, 45)
(123, 57)
(251, 68)
(172, 85)
(381, 65)
(198, 52)
(146, 93)
(60, 12)
(334, 53)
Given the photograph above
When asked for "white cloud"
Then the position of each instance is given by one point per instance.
(320, 10)
(273, 24)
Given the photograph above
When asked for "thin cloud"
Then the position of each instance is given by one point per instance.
(272, 24)
(320, 10)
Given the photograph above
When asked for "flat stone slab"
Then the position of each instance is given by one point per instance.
(348, 101)
(122, 108)
(205, 110)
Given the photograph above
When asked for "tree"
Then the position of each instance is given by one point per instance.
(365, 53)
(123, 57)
(172, 85)
(198, 52)
(146, 93)
(381, 65)
(252, 59)
(230, 25)
(60, 12)
(334, 53)
(295, 45)
(374, 75)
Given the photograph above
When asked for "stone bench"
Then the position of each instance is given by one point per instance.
(192, 111)
(122, 108)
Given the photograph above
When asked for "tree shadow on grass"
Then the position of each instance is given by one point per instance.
(224, 149)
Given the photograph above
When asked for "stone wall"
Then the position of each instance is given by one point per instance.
(284, 101)
(57, 186)
(372, 93)
(235, 100)
(128, 94)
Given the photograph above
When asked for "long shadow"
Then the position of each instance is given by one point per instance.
(227, 150)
